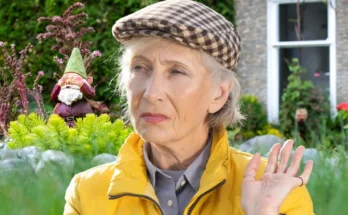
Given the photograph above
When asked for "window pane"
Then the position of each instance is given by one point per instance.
(313, 21)
(314, 59)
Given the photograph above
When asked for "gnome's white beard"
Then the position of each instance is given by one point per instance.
(69, 94)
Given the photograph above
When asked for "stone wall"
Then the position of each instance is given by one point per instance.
(342, 50)
(251, 20)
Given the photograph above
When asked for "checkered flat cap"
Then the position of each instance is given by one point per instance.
(188, 22)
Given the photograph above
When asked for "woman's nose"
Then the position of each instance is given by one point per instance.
(155, 88)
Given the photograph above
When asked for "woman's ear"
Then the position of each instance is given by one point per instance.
(222, 92)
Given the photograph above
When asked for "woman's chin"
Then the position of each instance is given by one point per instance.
(153, 134)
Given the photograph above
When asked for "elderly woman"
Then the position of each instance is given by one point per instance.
(177, 75)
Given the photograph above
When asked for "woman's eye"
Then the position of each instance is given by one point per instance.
(175, 71)
(138, 68)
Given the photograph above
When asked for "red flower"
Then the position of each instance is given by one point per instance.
(343, 106)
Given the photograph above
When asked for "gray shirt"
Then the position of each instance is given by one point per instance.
(175, 189)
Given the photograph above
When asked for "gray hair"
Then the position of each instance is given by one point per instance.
(229, 114)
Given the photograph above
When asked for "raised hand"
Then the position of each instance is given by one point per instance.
(266, 195)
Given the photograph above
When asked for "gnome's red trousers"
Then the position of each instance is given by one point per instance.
(69, 113)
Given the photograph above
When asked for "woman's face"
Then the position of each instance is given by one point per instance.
(169, 92)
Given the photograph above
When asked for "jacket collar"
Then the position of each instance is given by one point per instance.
(130, 174)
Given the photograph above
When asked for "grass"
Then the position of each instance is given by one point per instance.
(29, 194)
(328, 184)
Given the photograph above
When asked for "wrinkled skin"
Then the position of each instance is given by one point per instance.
(265, 196)
(169, 79)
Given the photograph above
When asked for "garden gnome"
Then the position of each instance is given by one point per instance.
(301, 114)
(72, 90)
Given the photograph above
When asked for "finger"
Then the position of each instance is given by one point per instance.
(296, 162)
(252, 168)
(272, 162)
(285, 155)
(307, 172)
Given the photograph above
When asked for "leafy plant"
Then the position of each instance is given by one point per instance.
(300, 94)
(256, 116)
(254, 124)
(14, 91)
(269, 129)
(339, 124)
(92, 135)
(68, 32)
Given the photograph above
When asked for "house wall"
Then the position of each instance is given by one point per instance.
(251, 20)
(342, 50)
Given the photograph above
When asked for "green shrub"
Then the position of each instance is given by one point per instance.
(254, 124)
(92, 135)
(256, 116)
(301, 94)
(337, 127)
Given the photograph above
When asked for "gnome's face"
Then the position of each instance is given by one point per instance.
(70, 88)
(69, 94)
(71, 79)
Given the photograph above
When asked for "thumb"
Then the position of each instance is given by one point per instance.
(252, 168)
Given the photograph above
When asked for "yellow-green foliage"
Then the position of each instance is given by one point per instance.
(92, 135)
(268, 129)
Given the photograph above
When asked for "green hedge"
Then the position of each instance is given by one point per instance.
(19, 25)
(92, 135)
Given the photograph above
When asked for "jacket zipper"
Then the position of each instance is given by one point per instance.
(159, 207)
(203, 194)
(140, 196)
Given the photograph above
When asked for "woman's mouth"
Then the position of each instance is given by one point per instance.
(154, 117)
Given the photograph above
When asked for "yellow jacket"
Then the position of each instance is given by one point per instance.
(123, 188)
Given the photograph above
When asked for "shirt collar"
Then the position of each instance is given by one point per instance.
(193, 173)
(150, 167)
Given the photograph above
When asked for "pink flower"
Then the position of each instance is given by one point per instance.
(47, 35)
(318, 74)
(38, 37)
(41, 73)
(78, 4)
(1, 44)
(40, 88)
(22, 52)
(18, 103)
(56, 19)
(97, 53)
(58, 60)
(42, 19)
(69, 36)
(50, 27)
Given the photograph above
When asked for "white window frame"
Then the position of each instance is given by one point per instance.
(273, 46)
